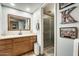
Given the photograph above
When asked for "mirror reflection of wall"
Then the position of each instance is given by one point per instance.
(18, 23)
(27, 24)
(21, 24)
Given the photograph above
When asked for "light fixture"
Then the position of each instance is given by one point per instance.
(12, 4)
(27, 9)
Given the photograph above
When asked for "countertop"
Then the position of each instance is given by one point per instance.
(16, 36)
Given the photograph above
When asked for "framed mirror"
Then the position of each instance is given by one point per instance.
(16, 23)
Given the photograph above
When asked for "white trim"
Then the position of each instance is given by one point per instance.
(55, 26)
(75, 47)
(42, 43)
(55, 29)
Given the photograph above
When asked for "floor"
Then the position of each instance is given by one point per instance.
(29, 54)
(49, 51)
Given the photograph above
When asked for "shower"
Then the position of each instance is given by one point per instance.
(48, 29)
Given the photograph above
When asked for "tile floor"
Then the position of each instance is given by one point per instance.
(49, 51)
(29, 54)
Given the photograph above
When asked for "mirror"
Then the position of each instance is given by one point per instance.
(18, 23)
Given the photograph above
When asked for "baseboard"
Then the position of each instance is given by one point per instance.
(41, 55)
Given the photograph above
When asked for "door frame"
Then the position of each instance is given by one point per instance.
(55, 29)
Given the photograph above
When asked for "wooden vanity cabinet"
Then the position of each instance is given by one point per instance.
(5, 47)
(22, 46)
(17, 46)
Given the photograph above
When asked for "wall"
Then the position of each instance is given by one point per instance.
(0, 19)
(6, 11)
(64, 45)
(37, 18)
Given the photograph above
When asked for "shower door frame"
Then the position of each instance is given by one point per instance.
(55, 28)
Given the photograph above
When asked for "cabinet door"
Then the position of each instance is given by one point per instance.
(5, 47)
(23, 45)
(16, 40)
(32, 41)
(20, 47)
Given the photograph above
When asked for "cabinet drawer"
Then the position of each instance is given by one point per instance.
(8, 46)
(33, 38)
(4, 47)
(7, 52)
(5, 41)
(21, 43)
(24, 38)
(20, 39)
(17, 50)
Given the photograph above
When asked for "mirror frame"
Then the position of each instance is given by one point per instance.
(17, 17)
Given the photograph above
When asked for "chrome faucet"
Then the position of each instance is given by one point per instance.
(20, 33)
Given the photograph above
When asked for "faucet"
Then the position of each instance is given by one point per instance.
(20, 33)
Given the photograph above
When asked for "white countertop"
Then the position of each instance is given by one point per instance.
(16, 36)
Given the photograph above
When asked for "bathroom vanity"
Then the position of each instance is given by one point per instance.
(16, 44)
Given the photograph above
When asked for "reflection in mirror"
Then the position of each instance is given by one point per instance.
(18, 23)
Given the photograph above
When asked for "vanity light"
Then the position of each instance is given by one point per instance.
(12, 4)
(27, 9)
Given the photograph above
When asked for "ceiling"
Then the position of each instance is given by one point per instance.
(49, 9)
(23, 6)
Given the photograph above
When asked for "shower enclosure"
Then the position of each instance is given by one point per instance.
(48, 31)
